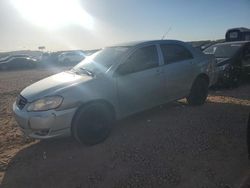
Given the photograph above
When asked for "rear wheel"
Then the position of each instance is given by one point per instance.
(92, 124)
(199, 92)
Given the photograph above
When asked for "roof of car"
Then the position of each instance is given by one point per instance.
(242, 29)
(72, 51)
(135, 43)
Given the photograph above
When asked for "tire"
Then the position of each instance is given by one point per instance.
(199, 92)
(92, 124)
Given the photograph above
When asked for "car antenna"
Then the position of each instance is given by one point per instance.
(165, 34)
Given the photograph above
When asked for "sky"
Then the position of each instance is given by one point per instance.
(85, 24)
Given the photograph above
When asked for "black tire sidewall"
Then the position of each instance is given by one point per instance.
(199, 92)
(97, 112)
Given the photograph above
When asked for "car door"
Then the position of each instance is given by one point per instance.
(246, 59)
(139, 80)
(178, 70)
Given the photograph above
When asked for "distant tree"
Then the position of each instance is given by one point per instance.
(41, 47)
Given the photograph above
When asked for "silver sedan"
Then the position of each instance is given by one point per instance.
(111, 84)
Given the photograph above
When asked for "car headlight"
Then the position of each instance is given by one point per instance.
(46, 103)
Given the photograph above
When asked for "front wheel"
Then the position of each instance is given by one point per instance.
(91, 124)
(199, 92)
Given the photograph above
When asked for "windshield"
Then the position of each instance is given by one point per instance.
(102, 60)
(223, 50)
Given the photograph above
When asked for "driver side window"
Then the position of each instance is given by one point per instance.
(142, 59)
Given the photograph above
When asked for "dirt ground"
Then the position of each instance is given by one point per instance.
(173, 145)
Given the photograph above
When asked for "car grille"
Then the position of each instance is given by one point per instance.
(21, 102)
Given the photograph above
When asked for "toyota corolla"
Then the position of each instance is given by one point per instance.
(111, 84)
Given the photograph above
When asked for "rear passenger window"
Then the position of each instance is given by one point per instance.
(173, 53)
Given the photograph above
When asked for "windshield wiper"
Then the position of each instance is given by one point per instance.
(83, 70)
(88, 72)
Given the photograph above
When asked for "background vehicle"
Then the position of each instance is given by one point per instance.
(18, 62)
(112, 84)
(233, 61)
(72, 57)
(237, 34)
(45, 57)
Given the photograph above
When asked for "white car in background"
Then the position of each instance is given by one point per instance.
(111, 84)
(71, 57)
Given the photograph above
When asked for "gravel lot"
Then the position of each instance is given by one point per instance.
(173, 145)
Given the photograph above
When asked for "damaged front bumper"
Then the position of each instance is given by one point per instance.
(45, 124)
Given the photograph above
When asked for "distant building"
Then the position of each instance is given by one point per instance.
(238, 34)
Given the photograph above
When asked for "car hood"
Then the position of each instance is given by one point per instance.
(51, 85)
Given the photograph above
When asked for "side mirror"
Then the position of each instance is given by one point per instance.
(122, 69)
(125, 68)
